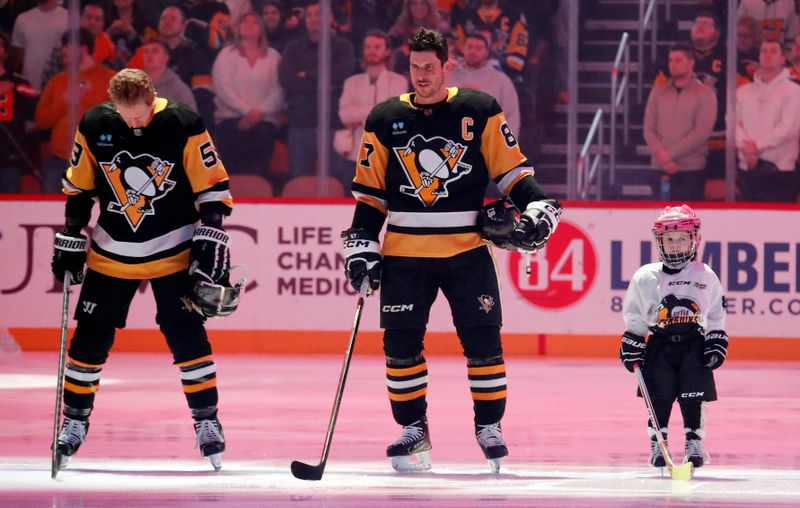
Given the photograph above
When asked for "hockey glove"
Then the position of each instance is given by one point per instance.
(716, 348)
(362, 253)
(536, 224)
(497, 221)
(69, 255)
(210, 257)
(632, 350)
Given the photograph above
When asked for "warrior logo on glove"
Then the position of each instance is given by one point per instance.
(69, 255)
(209, 267)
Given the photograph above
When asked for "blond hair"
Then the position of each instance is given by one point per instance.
(130, 87)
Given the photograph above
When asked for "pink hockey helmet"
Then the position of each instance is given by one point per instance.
(677, 218)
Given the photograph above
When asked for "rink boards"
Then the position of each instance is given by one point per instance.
(569, 304)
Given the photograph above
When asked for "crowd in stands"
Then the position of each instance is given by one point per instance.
(684, 121)
(249, 67)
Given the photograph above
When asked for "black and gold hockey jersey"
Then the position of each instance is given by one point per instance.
(150, 183)
(425, 168)
(508, 31)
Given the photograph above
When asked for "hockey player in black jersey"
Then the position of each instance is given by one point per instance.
(679, 306)
(425, 162)
(162, 191)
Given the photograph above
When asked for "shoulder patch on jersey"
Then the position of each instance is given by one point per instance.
(136, 182)
(430, 166)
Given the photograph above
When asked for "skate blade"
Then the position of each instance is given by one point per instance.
(404, 463)
(494, 464)
(63, 461)
(216, 461)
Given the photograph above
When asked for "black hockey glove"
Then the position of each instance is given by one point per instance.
(362, 253)
(210, 257)
(539, 220)
(69, 255)
(716, 348)
(497, 221)
(632, 350)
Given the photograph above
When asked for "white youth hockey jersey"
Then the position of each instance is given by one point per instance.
(675, 304)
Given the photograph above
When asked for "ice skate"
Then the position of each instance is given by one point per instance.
(656, 457)
(72, 435)
(695, 451)
(211, 441)
(411, 451)
(490, 437)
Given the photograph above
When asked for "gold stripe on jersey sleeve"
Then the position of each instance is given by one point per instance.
(429, 246)
(82, 166)
(499, 147)
(203, 165)
(372, 161)
(149, 270)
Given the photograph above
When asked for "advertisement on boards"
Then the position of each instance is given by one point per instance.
(576, 285)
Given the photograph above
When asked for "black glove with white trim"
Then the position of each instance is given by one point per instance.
(362, 252)
(632, 350)
(536, 224)
(716, 348)
(69, 255)
(210, 257)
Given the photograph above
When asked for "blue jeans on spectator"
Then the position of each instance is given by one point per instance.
(9, 179)
(52, 171)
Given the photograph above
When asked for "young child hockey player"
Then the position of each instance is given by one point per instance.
(679, 303)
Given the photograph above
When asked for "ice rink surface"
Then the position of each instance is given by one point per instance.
(575, 431)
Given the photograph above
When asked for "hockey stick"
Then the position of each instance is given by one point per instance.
(304, 471)
(55, 464)
(678, 471)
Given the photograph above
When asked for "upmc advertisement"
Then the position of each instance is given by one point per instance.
(576, 285)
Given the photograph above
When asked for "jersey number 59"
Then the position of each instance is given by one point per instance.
(208, 155)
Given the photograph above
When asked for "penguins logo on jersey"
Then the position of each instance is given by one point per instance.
(430, 166)
(677, 314)
(137, 182)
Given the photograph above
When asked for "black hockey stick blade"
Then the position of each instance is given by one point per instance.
(303, 471)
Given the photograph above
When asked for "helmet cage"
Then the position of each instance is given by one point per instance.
(674, 219)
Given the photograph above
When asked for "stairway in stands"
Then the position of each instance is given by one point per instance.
(601, 27)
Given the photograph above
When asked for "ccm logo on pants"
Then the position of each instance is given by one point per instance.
(398, 308)
(692, 395)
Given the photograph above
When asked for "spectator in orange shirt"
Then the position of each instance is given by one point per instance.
(52, 110)
(92, 17)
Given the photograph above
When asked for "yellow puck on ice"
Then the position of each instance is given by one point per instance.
(683, 471)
